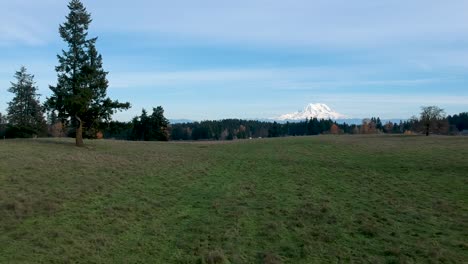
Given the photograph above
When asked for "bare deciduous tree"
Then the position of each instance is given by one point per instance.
(431, 118)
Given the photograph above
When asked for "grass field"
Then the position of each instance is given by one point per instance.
(375, 199)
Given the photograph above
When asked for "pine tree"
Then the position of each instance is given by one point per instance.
(378, 124)
(2, 119)
(24, 111)
(159, 125)
(153, 127)
(80, 94)
(315, 127)
(2, 125)
(52, 118)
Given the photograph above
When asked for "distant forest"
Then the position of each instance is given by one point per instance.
(155, 127)
(232, 129)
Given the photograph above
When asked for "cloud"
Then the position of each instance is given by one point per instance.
(297, 22)
(19, 34)
(29, 22)
(132, 79)
(321, 23)
(415, 100)
(305, 78)
(355, 83)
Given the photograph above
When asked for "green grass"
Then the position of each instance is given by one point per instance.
(375, 199)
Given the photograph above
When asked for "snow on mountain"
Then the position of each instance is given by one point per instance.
(319, 111)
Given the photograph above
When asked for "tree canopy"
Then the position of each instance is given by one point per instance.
(430, 118)
(152, 127)
(80, 96)
(25, 113)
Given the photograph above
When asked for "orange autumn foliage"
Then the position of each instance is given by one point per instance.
(334, 129)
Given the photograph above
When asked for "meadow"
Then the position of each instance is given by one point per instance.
(322, 199)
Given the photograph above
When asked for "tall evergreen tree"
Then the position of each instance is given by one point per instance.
(378, 124)
(159, 125)
(314, 127)
(80, 96)
(52, 118)
(460, 121)
(25, 113)
(2, 125)
(153, 127)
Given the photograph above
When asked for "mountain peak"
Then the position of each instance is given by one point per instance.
(317, 107)
(318, 110)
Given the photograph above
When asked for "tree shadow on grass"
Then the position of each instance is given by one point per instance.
(69, 142)
(55, 141)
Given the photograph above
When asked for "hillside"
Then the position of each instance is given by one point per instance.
(290, 200)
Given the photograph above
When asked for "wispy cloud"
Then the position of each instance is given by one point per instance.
(350, 83)
(276, 78)
(414, 100)
(23, 22)
(298, 22)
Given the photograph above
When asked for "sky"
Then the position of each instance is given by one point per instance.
(214, 59)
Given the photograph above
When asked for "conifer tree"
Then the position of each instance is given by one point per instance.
(25, 113)
(151, 128)
(159, 125)
(80, 96)
(2, 125)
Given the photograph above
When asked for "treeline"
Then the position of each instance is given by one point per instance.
(25, 118)
(155, 127)
(232, 129)
(228, 129)
(458, 122)
(146, 127)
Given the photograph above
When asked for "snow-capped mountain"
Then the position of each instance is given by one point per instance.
(318, 111)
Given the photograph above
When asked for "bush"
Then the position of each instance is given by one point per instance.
(2, 130)
(19, 132)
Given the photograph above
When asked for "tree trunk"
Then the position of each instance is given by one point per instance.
(79, 133)
(427, 130)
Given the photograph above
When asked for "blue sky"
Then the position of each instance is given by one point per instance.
(213, 59)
